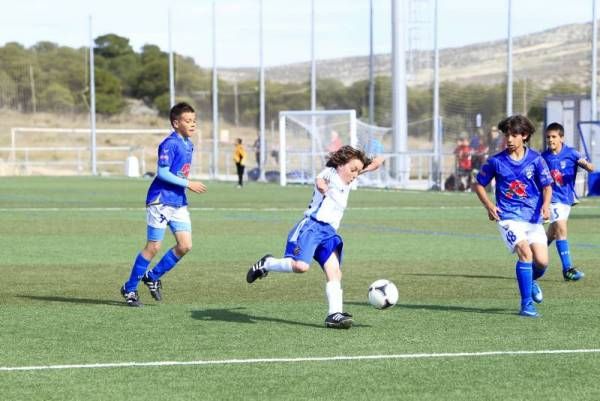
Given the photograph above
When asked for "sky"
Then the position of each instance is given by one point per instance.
(341, 26)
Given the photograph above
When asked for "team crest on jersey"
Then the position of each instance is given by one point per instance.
(529, 172)
(516, 188)
(563, 164)
(557, 177)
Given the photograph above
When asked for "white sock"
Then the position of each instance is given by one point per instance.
(283, 265)
(333, 290)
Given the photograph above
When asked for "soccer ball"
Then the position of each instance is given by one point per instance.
(383, 294)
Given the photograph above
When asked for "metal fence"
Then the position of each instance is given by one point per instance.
(268, 55)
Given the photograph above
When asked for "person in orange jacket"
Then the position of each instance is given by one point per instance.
(239, 157)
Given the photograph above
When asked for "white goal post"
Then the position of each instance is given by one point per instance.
(306, 137)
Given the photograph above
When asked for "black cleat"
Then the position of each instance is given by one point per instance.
(257, 270)
(153, 286)
(339, 320)
(131, 298)
(572, 274)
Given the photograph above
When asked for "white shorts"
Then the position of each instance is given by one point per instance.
(559, 211)
(513, 232)
(159, 216)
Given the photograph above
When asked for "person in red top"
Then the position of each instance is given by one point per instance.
(464, 164)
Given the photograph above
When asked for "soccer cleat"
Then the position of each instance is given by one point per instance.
(339, 320)
(572, 274)
(153, 286)
(528, 310)
(257, 270)
(131, 297)
(536, 293)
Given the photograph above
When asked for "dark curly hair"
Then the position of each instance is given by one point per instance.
(346, 153)
(179, 109)
(517, 124)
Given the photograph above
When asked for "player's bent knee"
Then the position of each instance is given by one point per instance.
(523, 251)
(182, 249)
(152, 248)
(300, 267)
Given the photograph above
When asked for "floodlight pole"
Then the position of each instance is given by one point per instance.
(171, 66)
(400, 167)
(313, 89)
(263, 145)
(594, 94)
(437, 134)
(92, 105)
(509, 72)
(371, 62)
(313, 64)
(215, 97)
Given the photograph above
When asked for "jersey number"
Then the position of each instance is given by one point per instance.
(510, 237)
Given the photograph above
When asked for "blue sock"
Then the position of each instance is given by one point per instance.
(525, 280)
(168, 261)
(538, 271)
(137, 272)
(562, 246)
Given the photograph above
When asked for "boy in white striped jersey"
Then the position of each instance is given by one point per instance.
(315, 236)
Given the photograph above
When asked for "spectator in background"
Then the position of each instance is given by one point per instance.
(256, 148)
(464, 166)
(497, 141)
(475, 140)
(335, 143)
(480, 152)
(239, 157)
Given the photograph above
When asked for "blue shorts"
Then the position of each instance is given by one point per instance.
(313, 239)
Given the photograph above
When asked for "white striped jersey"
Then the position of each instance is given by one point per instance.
(329, 208)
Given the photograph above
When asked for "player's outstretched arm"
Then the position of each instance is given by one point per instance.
(487, 203)
(196, 186)
(374, 165)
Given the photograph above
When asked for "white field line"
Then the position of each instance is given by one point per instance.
(235, 209)
(225, 209)
(297, 360)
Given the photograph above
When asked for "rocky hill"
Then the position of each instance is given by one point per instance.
(562, 53)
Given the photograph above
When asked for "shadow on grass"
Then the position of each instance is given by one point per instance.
(236, 315)
(88, 301)
(447, 308)
(459, 275)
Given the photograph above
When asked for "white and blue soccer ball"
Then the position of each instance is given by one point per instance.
(383, 294)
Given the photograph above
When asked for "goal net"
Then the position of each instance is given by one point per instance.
(307, 137)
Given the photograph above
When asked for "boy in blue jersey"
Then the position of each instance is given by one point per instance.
(523, 193)
(166, 205)
(315, 236)
(562, 161)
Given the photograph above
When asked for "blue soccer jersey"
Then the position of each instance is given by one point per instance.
(519, 184)
(563, 169)
(174, 152)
